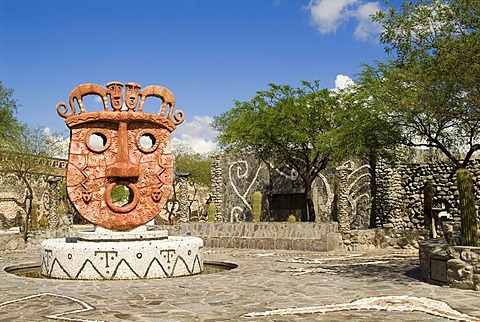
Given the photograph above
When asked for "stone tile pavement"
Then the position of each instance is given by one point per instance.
(380, 285)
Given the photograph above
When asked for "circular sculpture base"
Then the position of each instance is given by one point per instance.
(77, 259)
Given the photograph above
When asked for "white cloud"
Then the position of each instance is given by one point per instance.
(342, 81)
(197, 134)
(366, 27)
(328, 15)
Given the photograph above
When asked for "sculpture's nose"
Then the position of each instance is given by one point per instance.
(122, 168)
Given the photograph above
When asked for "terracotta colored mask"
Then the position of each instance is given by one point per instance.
(120, 166)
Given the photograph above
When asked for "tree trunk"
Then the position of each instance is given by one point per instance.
(28, 210)
(428, 195)
(309, 202)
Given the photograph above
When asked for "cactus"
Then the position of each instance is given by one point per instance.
(468, 212)
(211, 212)
(257, 206)
(428, 206)
(43, 223)
(292, 218)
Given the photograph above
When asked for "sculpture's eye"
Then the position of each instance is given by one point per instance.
(147, 141)
(97, 140)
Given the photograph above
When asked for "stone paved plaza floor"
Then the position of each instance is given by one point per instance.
(379, 285)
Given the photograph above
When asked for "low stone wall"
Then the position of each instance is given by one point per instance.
(300, 236)
(11, 240)
(357, 240)
(455, 266)
(173, 230)
(265, 235)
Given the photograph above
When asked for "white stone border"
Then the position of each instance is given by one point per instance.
(59, 316)
(382, 303)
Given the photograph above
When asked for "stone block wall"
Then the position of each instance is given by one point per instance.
(11, 240)
(359, 240)
(399, 198)
(266, 235)
(271, 235)
(235, 179)
(300, 236)
(400, 192)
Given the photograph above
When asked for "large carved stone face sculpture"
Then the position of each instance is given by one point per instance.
(120, 166)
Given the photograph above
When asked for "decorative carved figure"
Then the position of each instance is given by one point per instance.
(115, 90)
(77, 94)
(122, 151)
(132, 91)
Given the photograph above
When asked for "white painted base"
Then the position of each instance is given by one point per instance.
(116, 260)
(139, 233)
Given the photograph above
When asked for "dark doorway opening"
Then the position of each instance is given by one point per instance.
(284, 205)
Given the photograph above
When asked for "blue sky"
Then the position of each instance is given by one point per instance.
(207, 52)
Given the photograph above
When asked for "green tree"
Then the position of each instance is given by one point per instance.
(196, 164)
(8, 107)
(366, 130)
(286, 125)
(196, 169)
(429, 82)
(25, 157)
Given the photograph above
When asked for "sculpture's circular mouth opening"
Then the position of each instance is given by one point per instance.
(33, 270)
(121, 196)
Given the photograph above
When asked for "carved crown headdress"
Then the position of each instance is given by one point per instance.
(132, 110)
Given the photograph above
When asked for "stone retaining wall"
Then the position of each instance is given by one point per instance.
(13, 239)
(455, 266)
(357, 240)
(300, 236)
(264, 235)
(400, 191)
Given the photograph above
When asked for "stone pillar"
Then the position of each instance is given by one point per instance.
(217, 187)
(343, 215)
(53, 201)
(183, 203)
(389, 196)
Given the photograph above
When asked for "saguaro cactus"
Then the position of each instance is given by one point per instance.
(428, 206)
(211, 212)
(257, 206)
(468, 211)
